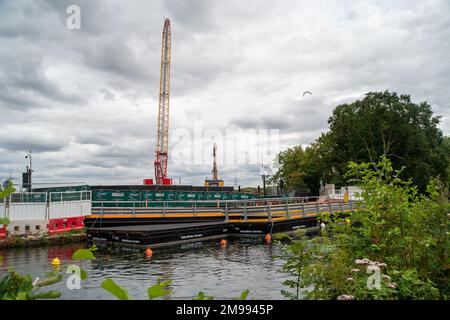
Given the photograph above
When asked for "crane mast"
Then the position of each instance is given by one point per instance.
(215, 173)
(215, 181)
(162, 141)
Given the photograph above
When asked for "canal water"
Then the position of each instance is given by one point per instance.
(203, 266)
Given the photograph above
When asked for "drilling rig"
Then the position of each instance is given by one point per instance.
(215, 181)
(162, 141)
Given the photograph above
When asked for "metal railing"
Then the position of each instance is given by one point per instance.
(268, 208)
(30, 205)
(27, 197)
(70, 196)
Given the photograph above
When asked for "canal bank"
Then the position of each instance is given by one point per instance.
(14, 242)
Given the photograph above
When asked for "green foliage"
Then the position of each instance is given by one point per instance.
(17, 241)
(385, 124)
(298, 256)
(14, 286)
(116, 290)
(412, 286)
(3, 194)
(7, 191)
(202, 296)
(158, 290)
(402, 232)
(299, 168)
(43, 240)
(243, 295)
(83, 274)
(381, 124)
(84, 254)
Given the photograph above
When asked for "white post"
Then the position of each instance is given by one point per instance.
(226, 212)
(287, 208)
(270, 212)
(245, 212)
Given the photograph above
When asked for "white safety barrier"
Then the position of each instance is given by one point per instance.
(27, 211)
(33, 213)
(66, 209)
(2, 210)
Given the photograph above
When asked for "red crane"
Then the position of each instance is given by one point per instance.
(162, 142)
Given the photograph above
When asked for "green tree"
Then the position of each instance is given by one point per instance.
(381, 124)
(301, 168)
(386, 124)
(5, 192)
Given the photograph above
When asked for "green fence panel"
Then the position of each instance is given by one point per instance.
(170, 196)
(200, 196)
(147, 195)
(133, 196)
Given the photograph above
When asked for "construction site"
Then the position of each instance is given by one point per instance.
(157, 212)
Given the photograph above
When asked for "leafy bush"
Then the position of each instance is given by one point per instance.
(404, 232)
(17, 287)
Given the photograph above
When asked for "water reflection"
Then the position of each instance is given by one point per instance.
(201, 266)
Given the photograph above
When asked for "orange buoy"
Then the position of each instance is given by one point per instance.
(268, 238)
(223, 243)
(148, 252)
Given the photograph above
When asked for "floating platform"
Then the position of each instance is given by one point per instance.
(162, 226)
(157, 235)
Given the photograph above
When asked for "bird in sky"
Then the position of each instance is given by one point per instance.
(306, 93)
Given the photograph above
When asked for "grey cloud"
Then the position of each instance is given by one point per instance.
(194, 15)
(86, 99)
(25, 143)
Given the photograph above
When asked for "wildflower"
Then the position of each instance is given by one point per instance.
(386, 277)
(345, 297)
(381, 264)
(363, 261)
(355, 270)
(350, 279)
(392, 285)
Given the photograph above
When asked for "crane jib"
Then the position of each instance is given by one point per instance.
(161, 156)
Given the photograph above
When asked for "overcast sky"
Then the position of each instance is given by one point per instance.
(85, 101)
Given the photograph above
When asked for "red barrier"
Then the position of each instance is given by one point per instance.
(3, 232)
(148, 182)
(65, 224)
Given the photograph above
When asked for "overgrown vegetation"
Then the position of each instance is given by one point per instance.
(397, 247)
(381, 124)
(17, 287)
